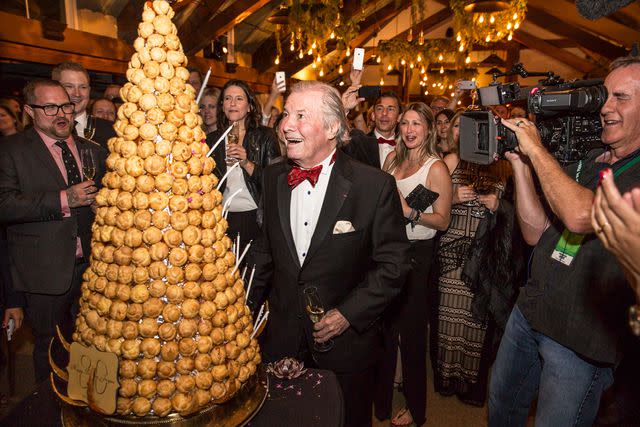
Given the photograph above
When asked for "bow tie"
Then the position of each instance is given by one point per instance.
(297, 175)
(391, 142)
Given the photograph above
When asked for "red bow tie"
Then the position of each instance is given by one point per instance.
(297, 175)
(391, 142)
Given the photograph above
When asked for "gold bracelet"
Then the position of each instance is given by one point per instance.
(634, 319)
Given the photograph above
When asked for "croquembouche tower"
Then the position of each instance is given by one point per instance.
(163, 291)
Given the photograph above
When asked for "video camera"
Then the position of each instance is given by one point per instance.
(567, 117)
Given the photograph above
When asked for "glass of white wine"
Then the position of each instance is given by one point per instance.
(90, 127)
(232, 138)
(315, 310)
(88, 163)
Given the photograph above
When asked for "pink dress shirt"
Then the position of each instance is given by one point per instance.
(56, 153)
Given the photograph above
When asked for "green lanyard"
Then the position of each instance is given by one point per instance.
(569, 243)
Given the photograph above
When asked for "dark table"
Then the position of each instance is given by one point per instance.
(314, 399)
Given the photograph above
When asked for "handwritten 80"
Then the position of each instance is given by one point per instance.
(96, 370)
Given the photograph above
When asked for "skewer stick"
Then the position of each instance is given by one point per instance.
(227, 204)
(244, 272)
(239, 261)
(222, 137)
(204, 86)
(253, 271)
(259, 326)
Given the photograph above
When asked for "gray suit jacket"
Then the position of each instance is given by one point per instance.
(41, 242)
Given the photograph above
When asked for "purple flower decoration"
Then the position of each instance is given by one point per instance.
(201, 192)
(190, 199)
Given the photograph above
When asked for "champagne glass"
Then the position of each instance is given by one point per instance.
(315, 310)
(90, 127)
(232, 138)
(88, 164)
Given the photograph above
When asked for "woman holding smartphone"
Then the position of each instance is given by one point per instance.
(413, 163)
(249, 145)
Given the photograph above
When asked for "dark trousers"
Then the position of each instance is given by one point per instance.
(407, 318)
(44, 312)
(246, 224)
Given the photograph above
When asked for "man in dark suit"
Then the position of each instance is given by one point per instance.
(337, 225)
(373, 148)
(75, 79)
(45, 205)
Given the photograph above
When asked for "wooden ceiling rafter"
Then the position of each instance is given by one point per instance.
(197, 17)
(290, 61)
(559, 26)
(221, 23)
(428, 24)
(546, 48)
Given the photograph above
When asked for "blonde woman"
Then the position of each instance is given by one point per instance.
(414, 162)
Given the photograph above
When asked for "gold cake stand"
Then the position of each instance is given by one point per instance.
(236, 412)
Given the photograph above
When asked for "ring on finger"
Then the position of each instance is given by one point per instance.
(520, 123)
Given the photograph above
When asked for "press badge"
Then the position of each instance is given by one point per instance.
(567, 247)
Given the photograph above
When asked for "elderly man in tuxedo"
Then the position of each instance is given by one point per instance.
(334, 224)
(45, 205)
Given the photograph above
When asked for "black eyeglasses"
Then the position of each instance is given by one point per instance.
(52, 109)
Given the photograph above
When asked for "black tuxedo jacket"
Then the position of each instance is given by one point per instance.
(358, 272)
(104, 131)
(41, 242)
(364, 148)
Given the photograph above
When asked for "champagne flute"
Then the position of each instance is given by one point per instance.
(90, 127)
(88, 165)
(232, 138)
(315, 310)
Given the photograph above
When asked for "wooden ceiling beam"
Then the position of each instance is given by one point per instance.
(606, 28)
(197, 12)
(128, 20)
(559, 26)
(221, 23)
(548, 49)
(290, 61)
(428, 24)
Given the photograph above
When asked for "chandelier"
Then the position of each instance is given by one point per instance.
(486, 21)
(307, 25)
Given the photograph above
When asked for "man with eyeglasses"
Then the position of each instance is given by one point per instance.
(45, 203)
(75, 80)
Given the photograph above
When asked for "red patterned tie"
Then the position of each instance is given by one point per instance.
(297, 175)
(391, 142)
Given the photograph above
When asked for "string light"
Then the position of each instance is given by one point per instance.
(332, 36)
(481, 19)
(314, 45)
(381, 81)
(492, 19)
(341, 83)
(313, 65)
(389, 67)
(440, 57)
(310, 52)
(515, 16)
(426, 92)
(516, 25)
(403, 62)
(424, 78)
(321, 72)
(510, 36)
(348, 52)
(277, 61)
(419, 58)
(422, 70)
(340, 70)
(441, 69)
(451, 87)
(378, 59)
(467, 60)
(301, 55)
(411, 65)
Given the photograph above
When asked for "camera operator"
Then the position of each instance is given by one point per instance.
(564, 335)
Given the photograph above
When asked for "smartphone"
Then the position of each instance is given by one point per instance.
(358, 58)
(369, 92)
(467, 84)
(281, 81)
(10, 328)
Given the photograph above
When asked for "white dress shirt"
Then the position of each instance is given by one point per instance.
(306, 203)
(81, 123)
(383, 149)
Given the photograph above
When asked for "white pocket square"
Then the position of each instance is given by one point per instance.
(342, 227)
